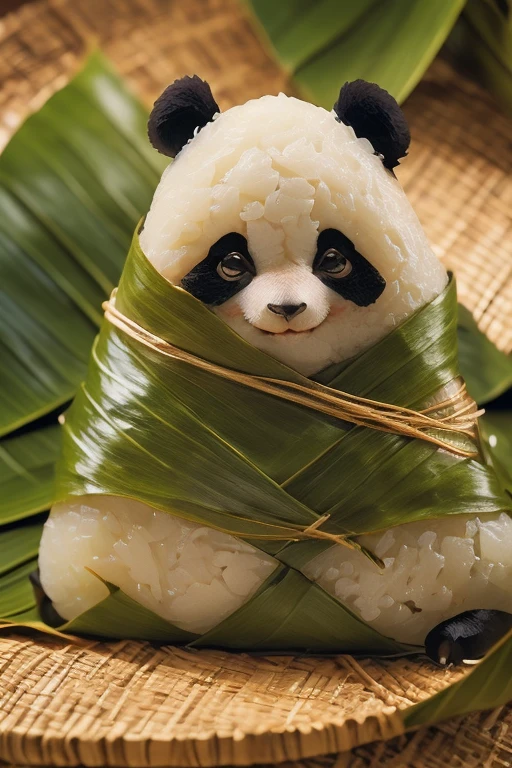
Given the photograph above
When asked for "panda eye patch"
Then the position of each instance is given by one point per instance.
(346, 271)
(233, 266)
(334, 263)
(226, 270)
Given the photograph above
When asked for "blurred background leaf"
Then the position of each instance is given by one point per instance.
(74, 180)
(481, 41)
(487, 370)
(496, 429)
(390, 42)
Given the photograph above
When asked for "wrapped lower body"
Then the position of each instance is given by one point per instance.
(195, 577)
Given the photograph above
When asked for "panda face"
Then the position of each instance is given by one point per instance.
(287, 282)
(292, 231)
(229, 268)
(281, 296)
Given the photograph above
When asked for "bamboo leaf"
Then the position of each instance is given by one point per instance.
(73, 182)
(487, 370)
(482, 42)
(18, 545)
(27, 464)
(170, 420)
(496, 427)
(390, 42)
(289, 612)
(119, 616)
(16, 595)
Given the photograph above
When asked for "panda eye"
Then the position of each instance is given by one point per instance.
(334, 264)
(233, 266)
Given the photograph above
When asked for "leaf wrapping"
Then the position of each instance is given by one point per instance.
(187, 442)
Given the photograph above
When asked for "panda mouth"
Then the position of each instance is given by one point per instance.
(289, 331)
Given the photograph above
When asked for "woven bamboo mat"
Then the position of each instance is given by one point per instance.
(131, 704)
(458, 177)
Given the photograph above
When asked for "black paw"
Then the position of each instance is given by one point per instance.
(466, 637)
(46, 610)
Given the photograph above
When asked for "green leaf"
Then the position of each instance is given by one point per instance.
(288, 612)
(325, 43)
(286, 606)
(27, 464)
(74, 180)
(496, 428)
(118, 616)
(481, 41)
(486, 370)
(17, 545)
(16, 594)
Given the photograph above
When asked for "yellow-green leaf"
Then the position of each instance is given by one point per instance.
(487, 686)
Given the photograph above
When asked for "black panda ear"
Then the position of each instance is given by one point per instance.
(183, 107)
(375, 115)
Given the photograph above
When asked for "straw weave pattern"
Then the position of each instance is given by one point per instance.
(127, 703)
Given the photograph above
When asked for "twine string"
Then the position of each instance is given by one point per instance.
(360, 411)
(344, 406)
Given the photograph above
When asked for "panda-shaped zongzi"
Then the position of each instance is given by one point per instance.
(288, 222)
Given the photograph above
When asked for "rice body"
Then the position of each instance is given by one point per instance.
(433, 571)
(190, 575)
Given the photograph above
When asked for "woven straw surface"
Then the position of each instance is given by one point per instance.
(131, 704)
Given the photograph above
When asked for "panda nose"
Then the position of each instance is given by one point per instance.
(288, 311)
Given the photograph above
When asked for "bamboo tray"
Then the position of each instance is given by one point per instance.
(130, 704)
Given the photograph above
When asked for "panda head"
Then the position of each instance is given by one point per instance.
(287, 220)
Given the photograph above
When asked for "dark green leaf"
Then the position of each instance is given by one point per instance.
(487, 370)
(74, 180)
(482, 42)
(290, 612)
(496, 427)
(27, 464)
(17, 545)
(16, 594)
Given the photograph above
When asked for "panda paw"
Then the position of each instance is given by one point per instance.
(466, 637)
